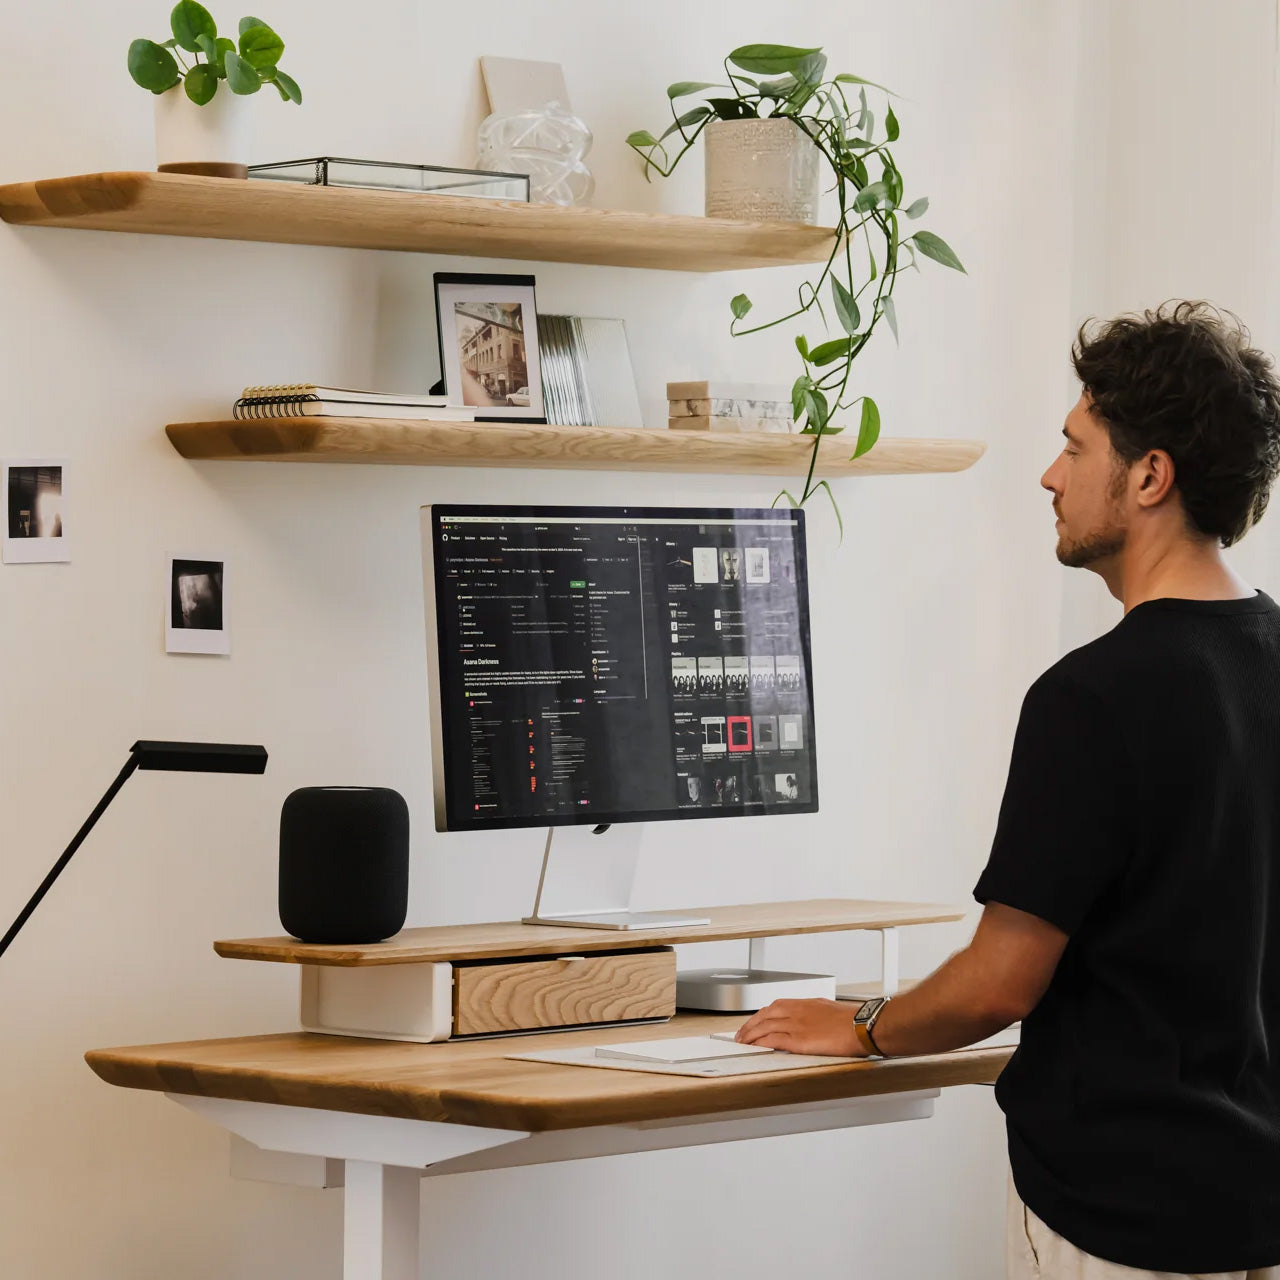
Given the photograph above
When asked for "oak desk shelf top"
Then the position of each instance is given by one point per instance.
(472, 1083)
(503, 444)
(178, 204)
(511, 938)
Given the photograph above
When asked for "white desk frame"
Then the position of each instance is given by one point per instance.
(380, 1160)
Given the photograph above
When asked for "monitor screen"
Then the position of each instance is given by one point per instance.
(599, 665)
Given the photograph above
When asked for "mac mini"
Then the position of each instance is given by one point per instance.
(746, 990)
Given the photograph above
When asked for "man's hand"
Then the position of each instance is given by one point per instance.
(804, 1026)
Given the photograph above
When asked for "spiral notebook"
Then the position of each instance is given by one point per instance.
(307, 400)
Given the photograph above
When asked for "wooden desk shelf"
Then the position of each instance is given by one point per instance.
(499, 444)
(510, 938)
(226, 209)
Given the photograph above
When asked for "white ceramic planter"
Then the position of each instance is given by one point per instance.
(761, 171)
(214, 139)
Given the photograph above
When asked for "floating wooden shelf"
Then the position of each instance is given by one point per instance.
(176, 204)
(492, 444)
(511, 938)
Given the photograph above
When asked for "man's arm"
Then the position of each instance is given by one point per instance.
(995, 981)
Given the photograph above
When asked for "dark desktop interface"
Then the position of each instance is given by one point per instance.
(606, 665)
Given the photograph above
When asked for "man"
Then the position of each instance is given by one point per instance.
(1132, 895)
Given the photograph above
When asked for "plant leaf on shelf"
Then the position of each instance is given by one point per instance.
(891, 315)
(641, 138)
(260, 47)
(247, 22)
(770, 59)
(740, 305)
(241, 77)
(869, 431)
(201, 84)
(846, 78)
(830, 351)
(152, 66)
(288, 87)
(846, 307)
(918, 207)
(938, 249)
(189, 20)
(683, 88)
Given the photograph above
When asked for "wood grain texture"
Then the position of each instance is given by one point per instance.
(511, 938)
(563, 992)
(470, 1082)
(499, 444)
(220, 208)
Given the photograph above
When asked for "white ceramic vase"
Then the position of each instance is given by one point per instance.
(761, 171)
(214, 139)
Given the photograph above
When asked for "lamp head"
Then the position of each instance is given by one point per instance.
(200, 757)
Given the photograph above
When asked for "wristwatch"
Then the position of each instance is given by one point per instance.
(864, 1022)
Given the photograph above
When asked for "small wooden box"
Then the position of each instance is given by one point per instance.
(491, 997)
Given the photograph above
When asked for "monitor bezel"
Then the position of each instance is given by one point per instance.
(432, 514)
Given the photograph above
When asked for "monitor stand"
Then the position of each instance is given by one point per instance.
(588, 884)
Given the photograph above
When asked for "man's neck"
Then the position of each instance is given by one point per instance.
(1174, 567)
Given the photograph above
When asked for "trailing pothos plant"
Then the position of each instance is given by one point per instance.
(245, 64)
(795, 89)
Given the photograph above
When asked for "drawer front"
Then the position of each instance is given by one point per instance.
(565, 991)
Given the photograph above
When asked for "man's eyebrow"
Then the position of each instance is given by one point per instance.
(1066, 432)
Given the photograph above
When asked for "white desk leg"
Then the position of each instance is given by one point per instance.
(755, 953)
(380, 1228)
(890, 976)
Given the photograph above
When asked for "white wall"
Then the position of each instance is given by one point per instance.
(930, 620)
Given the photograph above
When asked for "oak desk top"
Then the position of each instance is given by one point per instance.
(473, 1083)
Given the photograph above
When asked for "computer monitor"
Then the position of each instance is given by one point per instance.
(599, 665)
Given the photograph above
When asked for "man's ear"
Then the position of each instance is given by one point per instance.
(1155, 475)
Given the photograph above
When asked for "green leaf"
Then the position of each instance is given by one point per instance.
(151, 66)
(201, 84)
(938, 249)
(802, 346)
(846, 307)
(740, 306)
(241, 77)
(641, 138)
(848, 79)
(778, 88)
(869, 431)
(189, 20)
(683, 87)
(890, 124)
(870, 196)
(681, 123)
(770, 59)
(246, 23)
(831, 351)
(288, 87)
(816, 411)
(811, 68)
(891, 315)
(916, 208)
(208, 46)
(260, 47)
(835, 506)
(802, 384)
(732, 109)
(786, 493)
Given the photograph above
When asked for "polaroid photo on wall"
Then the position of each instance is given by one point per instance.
(35, 508)
(489, 356)
(196, 606)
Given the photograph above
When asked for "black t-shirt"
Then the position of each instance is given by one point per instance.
(1142, 817)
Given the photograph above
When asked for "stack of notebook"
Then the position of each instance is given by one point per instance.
(305, 399)
(728, 406)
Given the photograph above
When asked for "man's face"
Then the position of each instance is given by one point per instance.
(1088, 483)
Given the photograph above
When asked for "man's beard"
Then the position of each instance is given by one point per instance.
(1091, 549)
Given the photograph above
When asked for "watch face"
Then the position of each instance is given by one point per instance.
(868, 1010)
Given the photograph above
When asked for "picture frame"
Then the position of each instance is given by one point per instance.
(35, 495)
(196, 605)
(487, 328)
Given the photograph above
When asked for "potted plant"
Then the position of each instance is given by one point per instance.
(796, 100)
(198, 128)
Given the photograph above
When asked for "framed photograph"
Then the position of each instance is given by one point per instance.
(35, 492)
(196, 607)
(489, 357)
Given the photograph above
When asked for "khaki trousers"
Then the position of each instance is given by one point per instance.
(1034, 1252)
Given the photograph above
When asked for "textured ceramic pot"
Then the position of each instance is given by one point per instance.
(761, 171)
(213, 139)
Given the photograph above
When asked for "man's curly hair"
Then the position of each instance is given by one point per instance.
(1187, 382)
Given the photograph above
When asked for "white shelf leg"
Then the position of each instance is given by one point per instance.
(756, 953)
(890, 975)
(380, 1222)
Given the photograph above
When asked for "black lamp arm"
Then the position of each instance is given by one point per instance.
(56, 870)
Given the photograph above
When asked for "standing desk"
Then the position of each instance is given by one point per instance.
(376, 1116)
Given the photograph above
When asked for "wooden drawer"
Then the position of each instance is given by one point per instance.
(564, 991)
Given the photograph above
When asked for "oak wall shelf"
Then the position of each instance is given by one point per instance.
(229, 209)
(492, 444)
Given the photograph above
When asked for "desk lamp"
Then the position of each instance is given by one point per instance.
(175, 757)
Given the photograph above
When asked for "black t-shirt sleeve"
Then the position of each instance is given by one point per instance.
(1060, 840)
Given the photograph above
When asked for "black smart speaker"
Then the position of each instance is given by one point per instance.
(344, 864)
